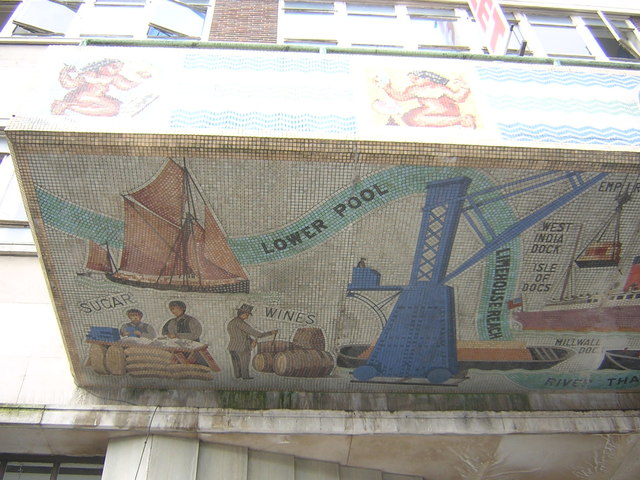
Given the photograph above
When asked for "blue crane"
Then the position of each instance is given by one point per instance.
(419, 338)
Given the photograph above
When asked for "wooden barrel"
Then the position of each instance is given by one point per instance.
(263, 362)
(309, 337)
(115, 361)
(303, 363)
(274, 346)
(96, 358)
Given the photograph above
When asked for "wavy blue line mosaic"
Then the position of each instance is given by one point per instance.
(569, 134)
(263, 121)
(266, 62)
(549, 76)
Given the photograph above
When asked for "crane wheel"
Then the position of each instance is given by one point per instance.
(438, 375)
(365, 372)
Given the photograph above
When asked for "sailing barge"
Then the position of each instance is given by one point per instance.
(172, 240)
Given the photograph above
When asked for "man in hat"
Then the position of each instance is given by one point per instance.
(241, 339)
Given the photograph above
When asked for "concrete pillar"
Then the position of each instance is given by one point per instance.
(171, 458)
(270, 465)
(152, 458)
(224, 462)
(315, 470)
(351, 473)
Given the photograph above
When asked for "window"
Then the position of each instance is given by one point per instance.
(517, 44)
(175, 20)
(136, 19)
(353, 24)
(616, 38)
(558, 36)
(15, 234)
(432, 27)
(6, 11)
(42, 17)
(309, 23)
(597, 36)
(31, 467)
(451, 27)
(443, 29)
(372, 25)
(104, 20)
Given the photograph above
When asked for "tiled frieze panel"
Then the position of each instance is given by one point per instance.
(260, 265)
(330, 96)
(311, 222)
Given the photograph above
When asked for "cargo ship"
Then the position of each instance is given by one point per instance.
(611, 311)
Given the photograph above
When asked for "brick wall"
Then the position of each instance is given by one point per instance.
(245, 21)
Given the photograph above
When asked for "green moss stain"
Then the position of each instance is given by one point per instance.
(241, 400)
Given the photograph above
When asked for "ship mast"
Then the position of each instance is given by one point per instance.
(568, 277)
(180, 248)
(190, 217)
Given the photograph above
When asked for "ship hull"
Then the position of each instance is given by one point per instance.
(351, 356)
(240, 286)
(605, 319)
(621, 360)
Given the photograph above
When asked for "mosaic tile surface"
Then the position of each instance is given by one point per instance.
(209, 272)
(262, 220)
(282, 94)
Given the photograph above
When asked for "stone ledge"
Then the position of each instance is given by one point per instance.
(203, 421)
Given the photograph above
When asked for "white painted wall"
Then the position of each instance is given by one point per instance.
(19, 66)
(33, 363)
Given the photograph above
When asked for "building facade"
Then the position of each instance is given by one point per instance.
(321, 239)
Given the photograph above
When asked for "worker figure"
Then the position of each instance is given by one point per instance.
(136, 327)
(241, 341)
(182, 325)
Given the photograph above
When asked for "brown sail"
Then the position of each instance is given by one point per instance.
(164, 195)
(148, 240)
(165, 245)
(216, 247)
(197, 260)
(98, 258)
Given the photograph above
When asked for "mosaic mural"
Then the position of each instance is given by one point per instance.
(206, 271)
(210, 273)
(280, 94)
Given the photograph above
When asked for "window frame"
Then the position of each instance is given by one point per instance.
(87, 19)
(9, 191)
(55, 465)
(596, 52)
(402, 14)
(18, 20)
(472, 41)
